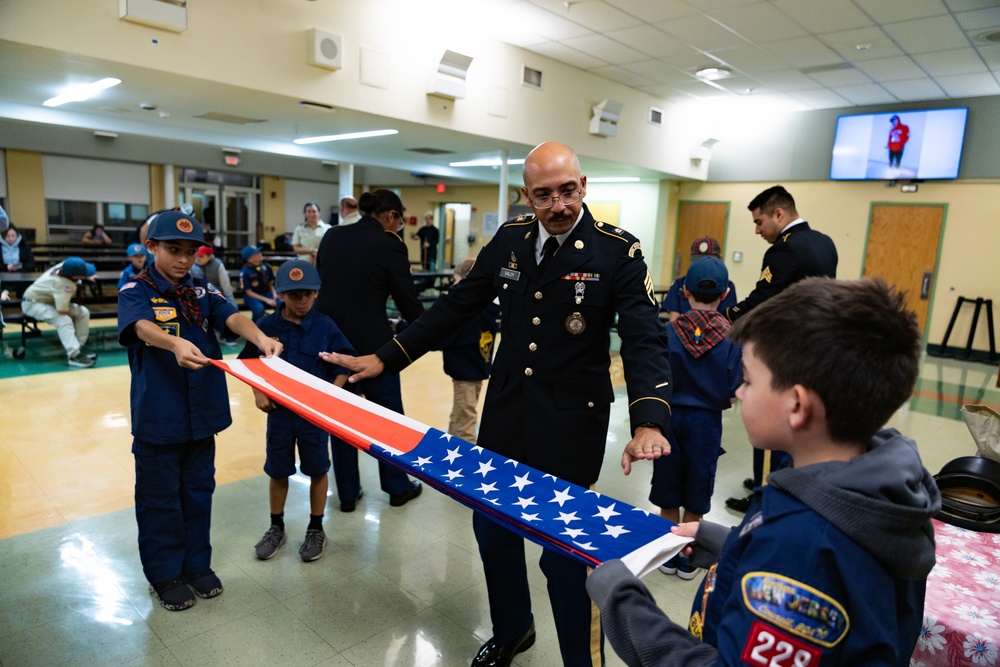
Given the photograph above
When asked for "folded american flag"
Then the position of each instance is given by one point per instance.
(578, 522)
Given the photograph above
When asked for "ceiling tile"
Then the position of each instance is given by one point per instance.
(846, 44)
(658, 71)
(948, 63)
(869, 94)
(654, 43)
(969, 85)
(803, 52)
(567, 55)
(597, 16)
(980, 19)
(820, 99)
(842, 77)
(891, 69)
(821, 17)
(965, 5)
(788, 80)
(926, 35)
(653, 12)
(750, 59)
(712, 5)
(622, 76)
(915, 89)
(885, 11)
(543, 22)
(758, 22)
(701, 33)
(602, 48)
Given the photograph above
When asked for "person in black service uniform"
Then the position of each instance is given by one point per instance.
(360, 266)
(560, 276)
(797, 251)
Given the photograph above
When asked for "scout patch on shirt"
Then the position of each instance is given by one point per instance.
(212, 289)
(199, 292)
(769, 646)
(164, 314)
(69, 288)
(766, 274)
(795, 607)
(158, 299)
(752, 523)
(172, 328)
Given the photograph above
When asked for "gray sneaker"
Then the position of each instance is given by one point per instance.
(312, 548)
(270, 543)
(81, 361)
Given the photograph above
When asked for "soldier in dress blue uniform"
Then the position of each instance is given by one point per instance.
(797, 251)
(179, 402)
(549, 398)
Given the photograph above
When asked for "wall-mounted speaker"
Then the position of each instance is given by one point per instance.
(324, 49)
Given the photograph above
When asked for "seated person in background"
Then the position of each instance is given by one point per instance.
(96, 235)
(211, 269)
(674, 303)
(257, 282)
(136, 254)
(48, 299)
(830, 564)
(16, 253)
(303, 332)
(468, 356)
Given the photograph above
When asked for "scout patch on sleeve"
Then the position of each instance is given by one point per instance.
(766, 274)
(164, 314)
(636, 248)
(773, 648)
(799, 609)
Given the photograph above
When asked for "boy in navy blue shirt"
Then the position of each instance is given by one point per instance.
(675, 303)
(303, 332)
(706, 372)
(257, 281)
(137, 262)
(179, 402)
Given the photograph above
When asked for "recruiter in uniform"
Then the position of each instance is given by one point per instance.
(560, 276)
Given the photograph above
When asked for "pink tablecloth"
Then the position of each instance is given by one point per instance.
(962, 610)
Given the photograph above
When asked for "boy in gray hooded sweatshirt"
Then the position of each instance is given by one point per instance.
(829, 566)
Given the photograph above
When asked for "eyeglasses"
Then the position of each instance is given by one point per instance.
(566, 197)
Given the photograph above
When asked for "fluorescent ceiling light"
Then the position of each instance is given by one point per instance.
(714, 73)
(82, 92)
(342, 137)
(491, 162)
(614, 179)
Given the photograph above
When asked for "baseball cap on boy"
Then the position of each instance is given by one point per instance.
(707, 275)
(706, 245)
(250, 250)
(175, 226)
(135, 249)
(74, 266)
(296, 274)
(206, 250)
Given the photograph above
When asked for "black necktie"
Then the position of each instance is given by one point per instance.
(548, 252)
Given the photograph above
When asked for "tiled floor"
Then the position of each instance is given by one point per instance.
(397, 586)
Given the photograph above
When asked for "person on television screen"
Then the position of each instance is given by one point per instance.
(899, 134)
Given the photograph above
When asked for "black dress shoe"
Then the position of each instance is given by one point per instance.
(493, 654)
(739, 504)
(398, 499)
(350, 505)
(748, 484)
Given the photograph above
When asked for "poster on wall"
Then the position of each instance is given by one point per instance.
(490, 224)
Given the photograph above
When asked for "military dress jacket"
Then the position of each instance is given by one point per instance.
(800, 252)
(360, 267)
(549, 397)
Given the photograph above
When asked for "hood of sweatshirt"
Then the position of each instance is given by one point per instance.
(883, 499)
(701, 330)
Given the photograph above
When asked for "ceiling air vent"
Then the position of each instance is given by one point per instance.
(531, 77)
(655, 116)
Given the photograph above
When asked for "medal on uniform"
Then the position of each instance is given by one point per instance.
(581, 287)
(575, 324)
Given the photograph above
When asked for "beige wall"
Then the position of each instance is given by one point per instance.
(26, 192)
(272, 207)
(967, 266)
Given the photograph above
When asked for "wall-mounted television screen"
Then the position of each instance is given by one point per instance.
(899, 145)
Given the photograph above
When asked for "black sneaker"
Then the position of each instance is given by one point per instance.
(173, 595)
(80, 361)
(205, 585)
(739, 504)
(399, 499)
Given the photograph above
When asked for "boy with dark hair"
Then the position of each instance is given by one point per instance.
(179, 402)
(257, 282)
(830, 565)
(706, 370)
(303, 332)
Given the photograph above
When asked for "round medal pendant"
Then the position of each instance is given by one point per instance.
(575, 324)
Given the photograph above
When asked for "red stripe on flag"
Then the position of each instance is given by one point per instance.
(374, 427)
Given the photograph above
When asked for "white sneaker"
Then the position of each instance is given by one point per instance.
(81, 361)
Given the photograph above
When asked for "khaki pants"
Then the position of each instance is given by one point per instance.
(463, 409)
(73, 329)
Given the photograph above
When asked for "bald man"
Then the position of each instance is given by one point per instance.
(560, 276)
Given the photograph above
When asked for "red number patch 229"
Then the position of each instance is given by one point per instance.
(769, 647)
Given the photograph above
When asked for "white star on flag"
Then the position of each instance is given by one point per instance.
(607, 512)
(485, 468)
(452, 455)
(562, 497)
(615, 531)
(521, 482)
(454, 474)
(574, 532)
(566, 518)
(525, 503)
(487, 488)
(530, 517)
(422, 461)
